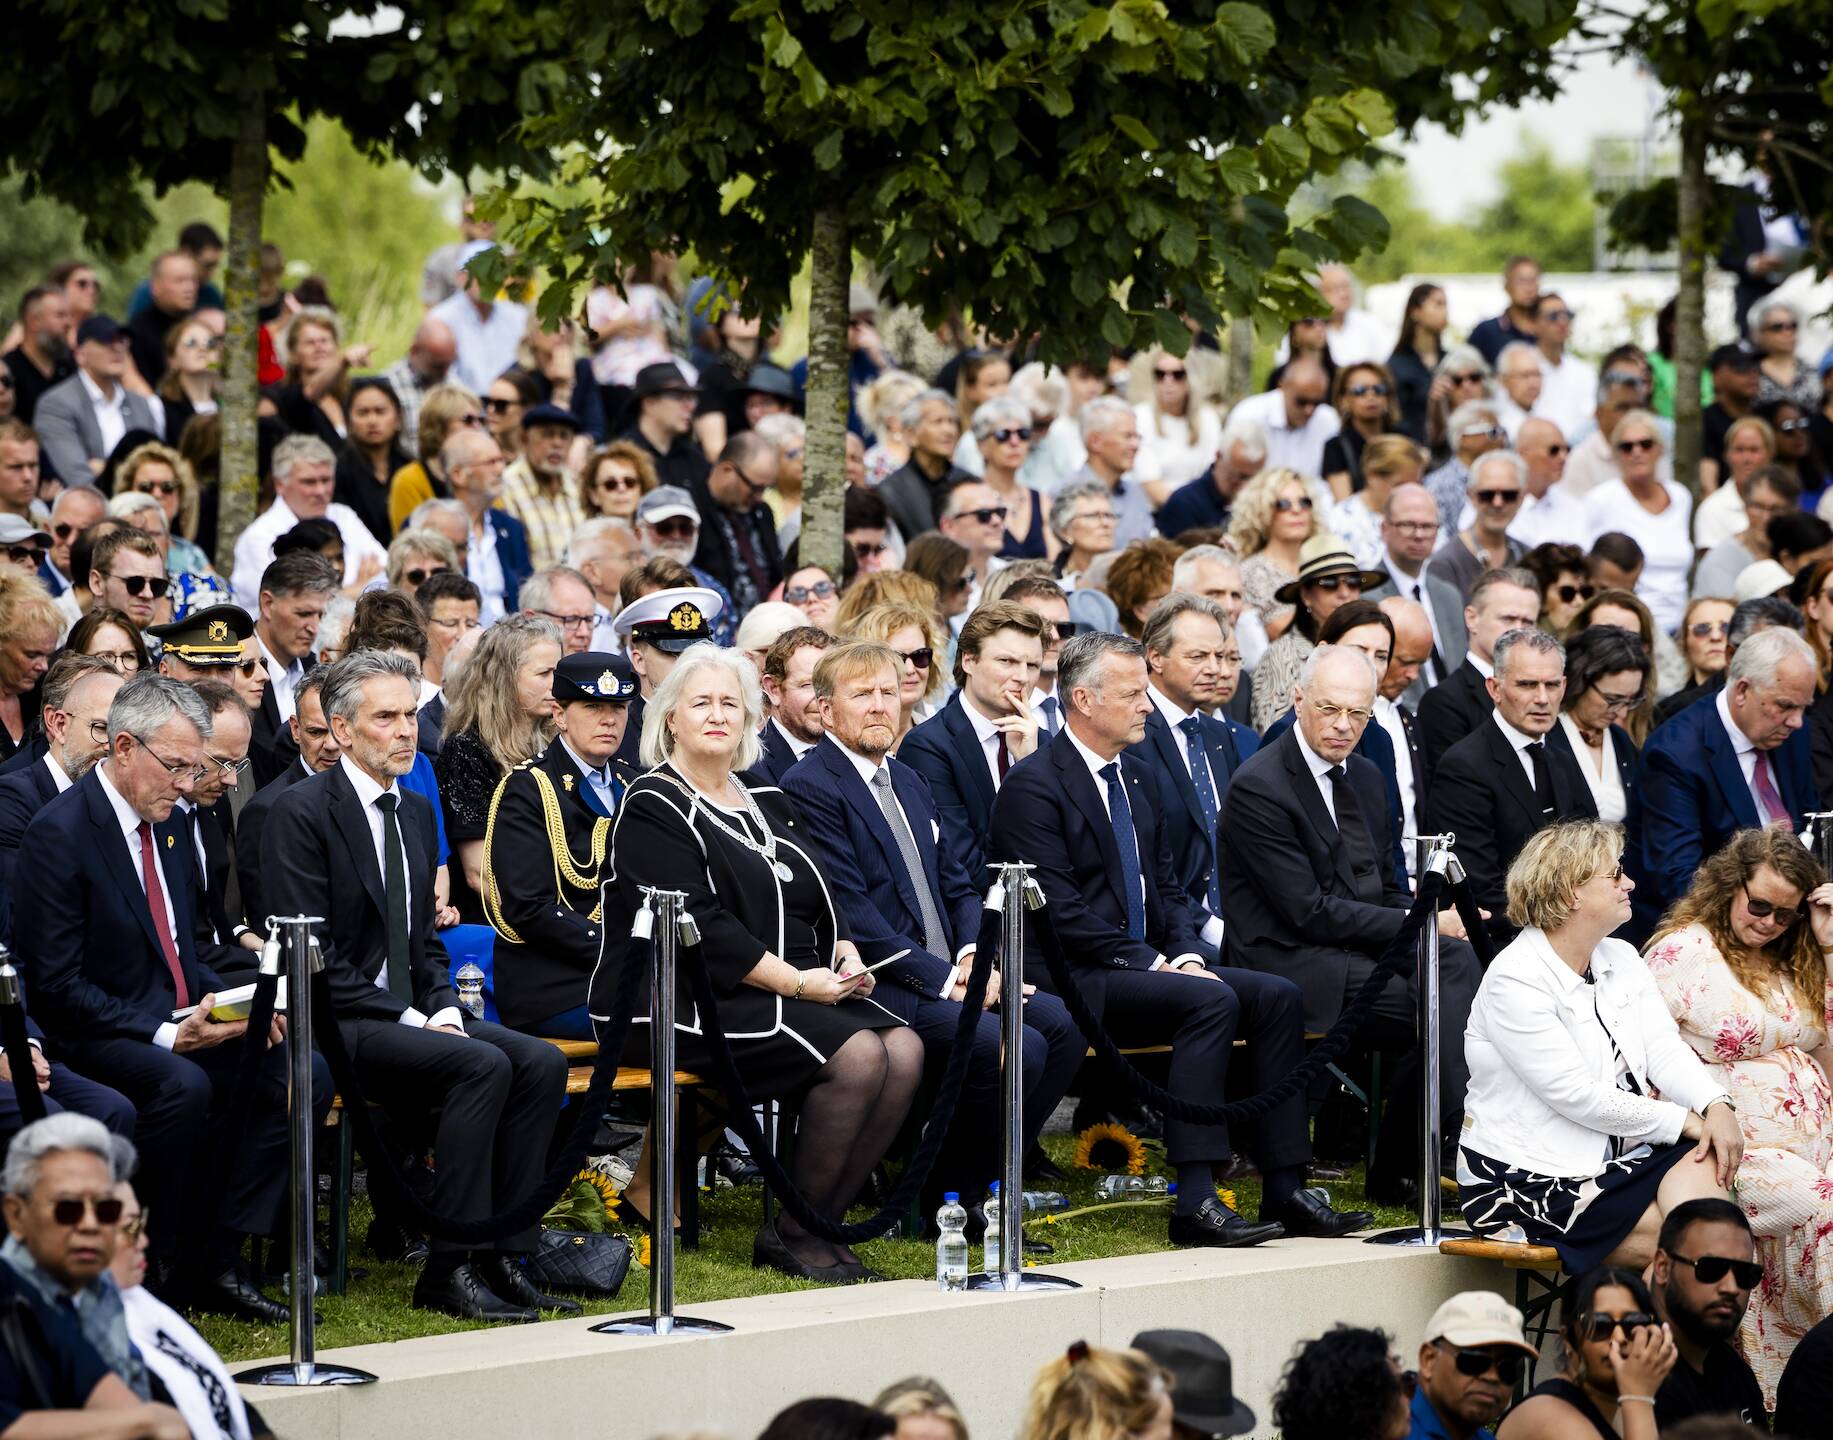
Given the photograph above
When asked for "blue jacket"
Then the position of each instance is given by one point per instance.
(1192, 843)
(860, 858)
(1693, 796)
(511, 553)
(945, 752)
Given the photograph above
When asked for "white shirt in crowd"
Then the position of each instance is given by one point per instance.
(283, 679)
(1557, 517)
(1167, 450)
(1666, 541)
(1568, 391)
(254, 550)
(1518, 741)
(486, 344)
(1387, 716)
(1300, 448)
(1720, 516)
(987, 733)
(1320, 769)
(110, 412)
(1605, 780)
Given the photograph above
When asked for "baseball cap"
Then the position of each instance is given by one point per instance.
(103, 329)
(667, 502)
(1478, 1317)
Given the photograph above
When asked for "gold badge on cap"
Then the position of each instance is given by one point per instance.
(219, 631)
(607, 684)
(685, 616)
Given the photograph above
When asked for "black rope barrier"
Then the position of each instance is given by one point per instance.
(1399, 954)
(935, 1127)
(19, 1059)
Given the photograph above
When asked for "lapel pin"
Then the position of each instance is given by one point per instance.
(567, 780)
(169, 841)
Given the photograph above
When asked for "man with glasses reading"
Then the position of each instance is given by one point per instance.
(109, 943)
(1473, 1356)
(1705, 1269)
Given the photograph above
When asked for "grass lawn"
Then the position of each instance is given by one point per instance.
(376, 1308)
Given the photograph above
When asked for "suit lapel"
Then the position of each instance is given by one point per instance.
(1082, 788)
(1514, 778)
(1312, 803)
(967, 746)
(353, 825)
(864, 802)
(1219, 741)
(1158, 732)
(113, 847)
(1728, 774)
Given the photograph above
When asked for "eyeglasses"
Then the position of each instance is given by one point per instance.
(1706, 629)
(1178, 374)
(232, 769)
(985, 516)
(1473, 1363)
(618, 482)
(866, 549)
(1767, 910)
(921, 657)
(6, 380)
(193, 342)
(1413, 527)
(1286, 507)
(501, 407)
(1300, 402)
(25, 554)
(154, 586)
(1568, 593)
(1710, 1269)
(750, 484)
(1334, 583)
(87, 282)
(98, 729)
(1616, 704)
(1469, 377)
(1104, 517)
(800, 594)
(418, 576)
(64, 530)
(1626, 377)
(132, 1230)
(1330, 714)
(1788, 325)
(177, 769)
(677, 528)
(963, 583)
(1558, 450)
(1374, 388)
(567, 622)
(1556, 316)
(1595, 1327)
(1497, 497)
(1067, 630)
(1006, 437)
(1641, 442)
(156, 487)
(472, 419)
(1492, 432)
(1615, 877)
(251, 668)
(1790, 427)
(70, 1211)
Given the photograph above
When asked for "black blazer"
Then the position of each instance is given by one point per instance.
(1192, 843)
(774, 757)
(271, 746)
(23, 793)
(1291, 899)
(860, 858)
(213, 889)
(1051, 813)
(716, 555)
(85, 934)
(1449, 711)
(248, 832)
(431, 722)
(547, 940)
(944, 751)
(320, 860)
(1481, 793)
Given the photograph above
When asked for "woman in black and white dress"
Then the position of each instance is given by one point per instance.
(794, 999)
(1569, 1043)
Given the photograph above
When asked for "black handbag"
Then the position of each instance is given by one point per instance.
(579, 1262)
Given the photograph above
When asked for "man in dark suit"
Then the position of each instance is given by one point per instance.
(542, 887)
(1734, 760)
(294, 592)
(794, 726)
(904, 894)
(1086, 814)
(1503, 783)
(1500, 601)
(318, 751)
(109, 945)
(966, 749)
(352, 846)
(1191, 755)
(1409, 534)
(1310, 891)
(737, 532)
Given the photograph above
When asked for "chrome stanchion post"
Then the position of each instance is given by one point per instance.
(665, 920)
(1435, 858)
(305, 961)
(1820, 824)
(1015, 891)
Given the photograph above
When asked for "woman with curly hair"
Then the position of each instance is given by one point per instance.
(1565, 584)
(616, 479)
(915, 633)
(1091, 1393)
(1274, 515)
(1139, 578)
(1740, 962)
(1344, 1385)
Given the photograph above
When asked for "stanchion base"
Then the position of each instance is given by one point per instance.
(659, 1325)
(314, 1373)
(1415, 1235)
(1024, 1280)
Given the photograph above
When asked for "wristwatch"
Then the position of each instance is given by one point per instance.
(1724, 1100)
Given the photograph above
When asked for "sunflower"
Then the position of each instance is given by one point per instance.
(1111, 1148)
(642, 1250)
(1226, 1196)
(601, 1183)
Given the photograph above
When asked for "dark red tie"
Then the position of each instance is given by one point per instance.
(1005, 756)
(155, 899)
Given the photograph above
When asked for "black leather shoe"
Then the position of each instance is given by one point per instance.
(1396, 1194)
(509, 1281)
(1039, 1166)
(230, 1294)
(387, 1241)
(1216, 1225)
(769, 1252)
(463, 1293)
(1038, 1247)
(1305, 1214)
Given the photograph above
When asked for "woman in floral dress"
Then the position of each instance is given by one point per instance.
(1740, 963)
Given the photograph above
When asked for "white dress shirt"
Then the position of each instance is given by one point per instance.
(1095, 766)
(484, 569)
(110, 412)
(1606, 781)
(486, 344)
(1212, 931)
(1300, 448)
(368, 792)
(1568, 391)
(1045, 716)
(599, 779)
(797, 748)
(1413, 587)
(1485, 668)
(1320, 772)
(987, 733)
(1544, 1093)
(129, 819)
(58, 778)
(283, 678)
(254, 550)
(1387, 716)
(1556, 518)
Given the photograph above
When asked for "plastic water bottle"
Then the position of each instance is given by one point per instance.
(1156, 1185)
(1045, 1201)
(469, 982)
(989, 1244)
(1112, 1187)
(951, 1244)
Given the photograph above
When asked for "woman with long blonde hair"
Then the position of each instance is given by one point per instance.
(1093, 1393)
(1273, 516)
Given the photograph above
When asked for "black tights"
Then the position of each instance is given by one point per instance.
(850, 1115)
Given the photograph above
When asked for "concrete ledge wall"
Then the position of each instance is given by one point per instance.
(558, 1378)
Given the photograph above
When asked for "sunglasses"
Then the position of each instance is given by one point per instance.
(1766, 910)
(500, 407)
(1508, 1364)
(1334, 583)
(1568, 593)
(798, 594)
(6, 381)
(70, 1212)
(132, 1230)
(1596, 1327)
(138, 585)
(619, 482)
(1781, 325)
(1472, 377)
(156, 487)
(964, 584)
(1497, 497)
(678, 528)
(1706, 629)
(63, 529)
(986, 516)
(1789, 427)
(1376, 388)
(921, 657)
(419, 576)
(25, 554)
(1559, 450)
(1626, 447)
(1006, 437)
(1710, 1269)
(1067, 630)
(1626, 377)
(1615, 876)
(251, 668)
(1556, 316)
(194, 343)
(1299, 402)
(866, 549)
(1286, 507)
(472, 420)
(1179, 374)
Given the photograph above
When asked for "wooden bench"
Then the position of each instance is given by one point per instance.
(1540, 1283)
(582, 1056)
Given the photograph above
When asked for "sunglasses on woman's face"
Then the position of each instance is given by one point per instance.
(25, 554)
(500, 407)
(866, 549)
(619, 482)
(1767, 910)
(156, 487)
(1375, 388)
(1178, 374)
(70, 1211)
(801, 594)
(1286, 507)
(921, 657)
(418, 576)
(1789, 427)
(1569, 593)
(964, 584)
(1642, 442)
(1597, 1327)
(1706, 629)
(1334, 583)
(1005, 437)
(1474, 377)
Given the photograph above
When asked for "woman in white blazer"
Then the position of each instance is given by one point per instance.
(1588, 1118)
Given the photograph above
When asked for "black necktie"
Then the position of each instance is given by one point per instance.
(394, 895)
(1543, 776)
(1352, 829)
(1435, 660)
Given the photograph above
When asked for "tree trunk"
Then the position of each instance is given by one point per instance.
(238, 470)
(823, 537)
(1690, 308)
(1240, 359)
